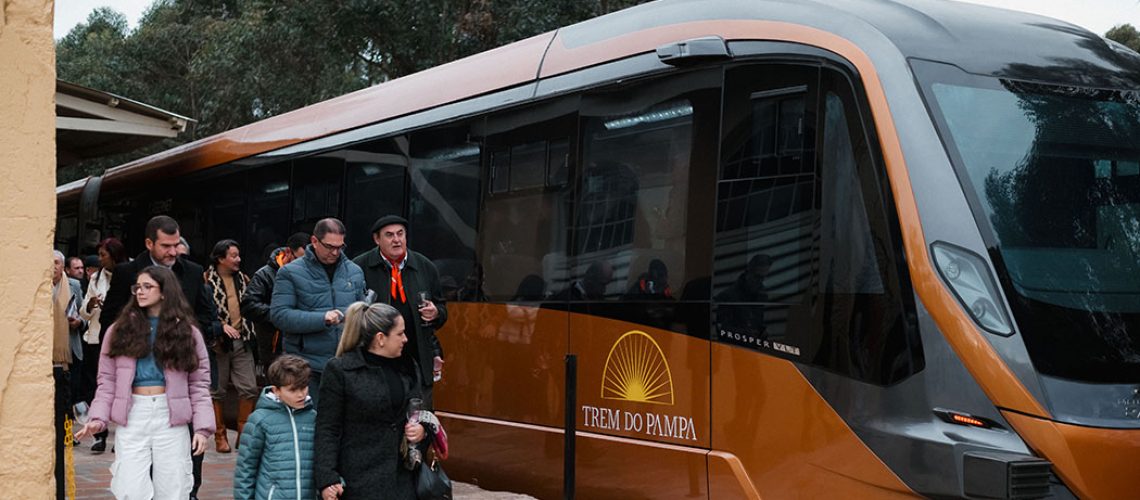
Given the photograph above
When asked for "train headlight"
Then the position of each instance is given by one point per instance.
(973, 285)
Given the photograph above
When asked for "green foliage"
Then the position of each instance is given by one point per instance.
(1126, 35)
(228, 63)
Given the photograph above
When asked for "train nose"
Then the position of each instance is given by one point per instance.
(1094, 462)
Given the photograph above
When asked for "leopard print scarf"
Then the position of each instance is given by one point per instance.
(214, 279)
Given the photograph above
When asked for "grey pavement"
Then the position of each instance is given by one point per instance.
(93, 476)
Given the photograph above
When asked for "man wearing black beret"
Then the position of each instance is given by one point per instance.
(409, 282)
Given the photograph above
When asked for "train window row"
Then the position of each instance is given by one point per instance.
(755, 186)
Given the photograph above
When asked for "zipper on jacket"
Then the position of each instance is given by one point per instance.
(272, 489)
(296, 452)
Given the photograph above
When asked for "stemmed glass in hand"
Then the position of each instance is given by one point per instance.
(415, 406)
(423, 299)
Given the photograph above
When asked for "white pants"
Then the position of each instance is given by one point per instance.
(148, 443)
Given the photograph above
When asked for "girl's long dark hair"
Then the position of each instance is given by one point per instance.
(174, 342)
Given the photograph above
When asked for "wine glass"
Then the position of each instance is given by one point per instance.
(422, 301)
(415, 406)
(80, 411)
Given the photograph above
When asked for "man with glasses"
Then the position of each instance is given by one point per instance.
(162, 239)
(311, 295)
(258, 296)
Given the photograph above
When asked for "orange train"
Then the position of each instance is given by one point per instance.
(798, 249)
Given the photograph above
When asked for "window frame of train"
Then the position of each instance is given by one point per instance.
(805, 205)
(529, 167)
(441, 207)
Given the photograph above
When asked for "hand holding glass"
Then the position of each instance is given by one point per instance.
(423, 302)
(415, 406)
(80, 412)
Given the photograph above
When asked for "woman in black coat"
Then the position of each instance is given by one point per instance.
(361, 415)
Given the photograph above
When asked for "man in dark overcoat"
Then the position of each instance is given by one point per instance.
(408, 281)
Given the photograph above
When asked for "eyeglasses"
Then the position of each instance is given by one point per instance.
(332, 248)
(144, 287)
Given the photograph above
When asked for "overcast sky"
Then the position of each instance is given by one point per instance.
(1096, 15)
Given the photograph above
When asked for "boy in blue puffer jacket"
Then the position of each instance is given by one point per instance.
(275, 459)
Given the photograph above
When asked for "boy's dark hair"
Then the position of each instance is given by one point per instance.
(289, 371)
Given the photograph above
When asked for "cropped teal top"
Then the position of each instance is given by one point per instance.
(147, 371)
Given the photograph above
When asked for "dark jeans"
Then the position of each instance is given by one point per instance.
(62, 409)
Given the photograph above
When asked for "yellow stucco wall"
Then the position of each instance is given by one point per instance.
(27, 223)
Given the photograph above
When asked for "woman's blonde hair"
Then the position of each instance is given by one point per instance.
(363, 322)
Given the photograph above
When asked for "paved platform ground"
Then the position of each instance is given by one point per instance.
(93, 476)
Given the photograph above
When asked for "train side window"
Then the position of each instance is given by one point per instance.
(268, 204)
(767, 208)
(374, 187)
(863, 331)
(443, 201)
(523, 238)
(647, 151)
(316, 190)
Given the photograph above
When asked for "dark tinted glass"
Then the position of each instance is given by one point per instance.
(863, 327)
(374, 187)
(805, 264)
(1053, 175)
(647, 153)
(444, 200)
(268, 203)
(316, 189)
(524, 233)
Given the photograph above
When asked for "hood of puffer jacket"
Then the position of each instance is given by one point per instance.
(270, 401)
(274, 262)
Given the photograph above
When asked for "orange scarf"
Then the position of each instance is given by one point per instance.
(397, 291)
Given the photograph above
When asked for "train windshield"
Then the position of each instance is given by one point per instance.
(1053, 176)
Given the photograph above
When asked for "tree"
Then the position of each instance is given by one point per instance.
(1126, 35)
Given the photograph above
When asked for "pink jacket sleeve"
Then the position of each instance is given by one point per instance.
(200, 402)
(100, 410)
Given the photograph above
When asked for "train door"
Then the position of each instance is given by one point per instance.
(512, 332)
(806, 296)
(638, 285)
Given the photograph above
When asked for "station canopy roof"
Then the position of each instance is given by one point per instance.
(91, 123)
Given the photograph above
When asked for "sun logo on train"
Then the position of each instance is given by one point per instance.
(636, 370)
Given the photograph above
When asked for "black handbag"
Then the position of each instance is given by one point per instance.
(431, 482)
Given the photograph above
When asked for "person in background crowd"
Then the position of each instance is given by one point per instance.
(276, 457)
(235, 351)
(366, 392)
(91, 265)
(408, 281)
(162, 239)
(76, 327)
(75, 270)
(258, 296)
(592, 285)
(183, 247)
(153, 381)
(60, 361)
(111, 253)
(310, 297)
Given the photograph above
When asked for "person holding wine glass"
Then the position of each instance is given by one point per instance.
(370, 391)
(408, 281)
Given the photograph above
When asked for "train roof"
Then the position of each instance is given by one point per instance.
(978, 39)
